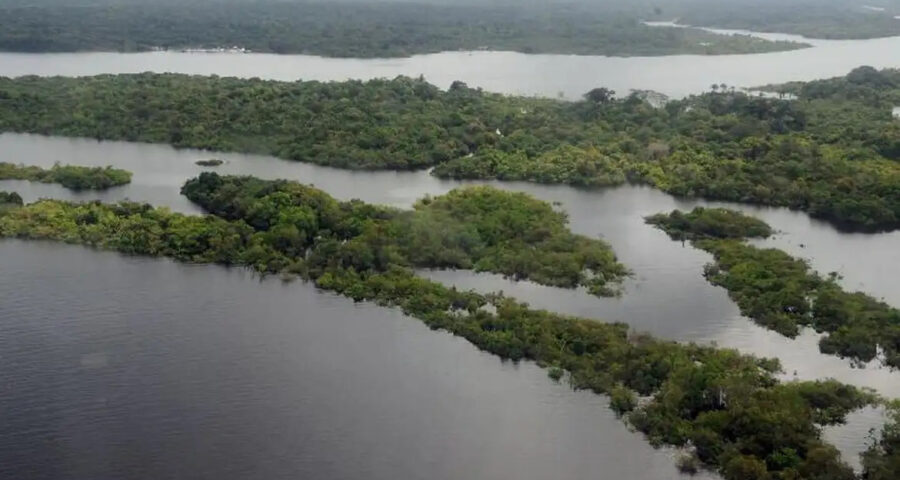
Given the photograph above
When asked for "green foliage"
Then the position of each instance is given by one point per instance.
(622, 400)
(401, 123)
(70, 176)
(688, 463)
(710, 223)
(834, 152)
(131, 228)
(355, 29)
(882, 460)
(212, 162)
(10, 198)
(781, 292)
(730, 406)
(477, 228)
(835, 19)
(555, 373)
(509, 233)
(566, 164)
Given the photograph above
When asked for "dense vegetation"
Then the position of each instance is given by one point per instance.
(834, 152)
(70, 176)
(477, 228)
(710, 222)
(882, 460)
(342, 29)
(726, 408)
(10, 198)
(782, 293)
(837, 19)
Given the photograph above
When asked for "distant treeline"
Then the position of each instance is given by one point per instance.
(726, 409)
(835, 19)
(834, 152)
(353, 29)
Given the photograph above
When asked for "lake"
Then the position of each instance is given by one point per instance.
(567, 76)
(667, 296)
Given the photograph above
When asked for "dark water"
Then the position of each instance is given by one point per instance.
(667, 295)
(118, 367)
(568, 76)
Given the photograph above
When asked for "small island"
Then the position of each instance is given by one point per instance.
(710, 222)
(212, 162)
(72, 177)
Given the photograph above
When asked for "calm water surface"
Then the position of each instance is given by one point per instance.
(507, 72)
(667, 295)
(127, 367)
(118, 367)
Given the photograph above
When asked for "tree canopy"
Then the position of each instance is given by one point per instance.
(70, 176)
(355, 29)
(834, 152)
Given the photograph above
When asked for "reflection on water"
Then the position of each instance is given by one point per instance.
(506, 72)
(125, 367)
(667, 295)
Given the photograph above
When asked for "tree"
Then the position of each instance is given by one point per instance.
(744, 467)
(600, 95)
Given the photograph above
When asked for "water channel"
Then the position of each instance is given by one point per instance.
(667, 295)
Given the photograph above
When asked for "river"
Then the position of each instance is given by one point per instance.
(142, 368)
(667, 295)
(118, 367)
(567, 76)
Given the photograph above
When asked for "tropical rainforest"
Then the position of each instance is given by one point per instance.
(783, 293)
(834, 152)
(356, 29)
(73, 177)
(373, 28)
(726, 409)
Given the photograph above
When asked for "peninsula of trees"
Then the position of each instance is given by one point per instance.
(727, 409)
(782, 293)
(70, 176)
(834, 152)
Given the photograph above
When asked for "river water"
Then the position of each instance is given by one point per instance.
(142, 368)
(568, 76)
(118, 367)
(667, 295)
